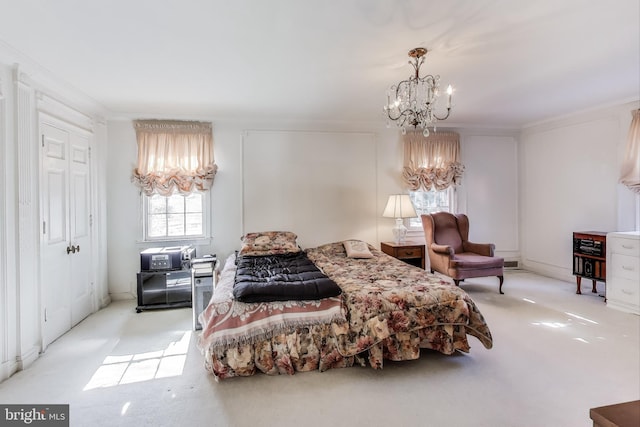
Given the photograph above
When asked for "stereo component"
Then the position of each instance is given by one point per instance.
(166, 258)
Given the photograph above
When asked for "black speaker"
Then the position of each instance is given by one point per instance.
(589, 267)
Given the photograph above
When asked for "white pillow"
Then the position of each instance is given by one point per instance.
(357, 249)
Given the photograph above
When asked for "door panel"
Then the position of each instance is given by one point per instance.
(56, 206)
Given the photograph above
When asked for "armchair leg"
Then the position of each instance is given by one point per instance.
(501, 280)
(457, 282)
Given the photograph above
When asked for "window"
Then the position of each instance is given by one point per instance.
(175, 217)
(175, 169)
(431, 201)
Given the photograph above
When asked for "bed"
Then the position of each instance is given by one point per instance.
(386, 310)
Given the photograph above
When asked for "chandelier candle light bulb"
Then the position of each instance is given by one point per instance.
(414, 99)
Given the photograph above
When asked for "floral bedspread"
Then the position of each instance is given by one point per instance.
(386, 297)
(228, 322)
(392, 311)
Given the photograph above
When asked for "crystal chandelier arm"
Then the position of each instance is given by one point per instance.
(449, 94)
(445, 117)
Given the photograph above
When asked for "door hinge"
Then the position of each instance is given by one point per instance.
(90, 220)
(89, 152)
(42, 140)
(44, 227)
(45, 314)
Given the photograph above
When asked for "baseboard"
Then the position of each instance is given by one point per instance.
(548, 270)
(105, 301)
(20, 363)
(120, 296)
(28, 357)
(7, 369)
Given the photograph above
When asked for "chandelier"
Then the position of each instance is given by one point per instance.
(412, 102)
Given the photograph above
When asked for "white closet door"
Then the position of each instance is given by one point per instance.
(55, 252)
(79, 227)
(66, 242)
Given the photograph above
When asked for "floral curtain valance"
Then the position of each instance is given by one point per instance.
(630, 172)
(174, 156)
(433, 162)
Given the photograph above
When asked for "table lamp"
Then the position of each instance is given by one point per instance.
(399, 206)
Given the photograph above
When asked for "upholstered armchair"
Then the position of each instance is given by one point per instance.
(452, 254)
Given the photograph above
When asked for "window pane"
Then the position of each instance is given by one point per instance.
(157, 226)
(175, 216)
(194, 202)
(194, 224)
(157, 204)
(175, 203)
(175, 225)
(427, 202)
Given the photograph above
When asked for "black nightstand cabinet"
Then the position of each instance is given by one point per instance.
(164, 289)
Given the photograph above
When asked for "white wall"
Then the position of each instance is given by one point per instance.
(489, 190)
(488, 193)
(321, 185)
(123, 211)
(569, 182)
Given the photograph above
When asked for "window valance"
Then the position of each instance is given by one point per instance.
(630, 172)
(433, 162)
(174, 156)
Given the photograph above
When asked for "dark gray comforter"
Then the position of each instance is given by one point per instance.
(281, 278)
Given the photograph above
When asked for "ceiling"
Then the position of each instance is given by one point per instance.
(511, 63)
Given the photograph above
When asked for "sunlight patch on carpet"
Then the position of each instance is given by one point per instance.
(133, 368)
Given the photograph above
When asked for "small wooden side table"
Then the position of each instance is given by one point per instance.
(410, 252)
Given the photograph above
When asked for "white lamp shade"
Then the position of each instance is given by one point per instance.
(399, 206)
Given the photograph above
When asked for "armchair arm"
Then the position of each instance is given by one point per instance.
(442, 249)
(486, 249)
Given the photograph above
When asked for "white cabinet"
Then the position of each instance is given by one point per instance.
(204, 277)
(623, 271)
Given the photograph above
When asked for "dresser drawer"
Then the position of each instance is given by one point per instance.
(408, 253)
(622, 246)
(624, 291)
(625, 266)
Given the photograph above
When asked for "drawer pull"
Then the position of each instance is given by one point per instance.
(627, 246)
(624, 267)
(408, 253)
(624, 291)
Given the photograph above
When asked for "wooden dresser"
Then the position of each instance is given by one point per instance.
(623, 272)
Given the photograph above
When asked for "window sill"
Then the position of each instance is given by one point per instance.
(199, 241)
(415, 233)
